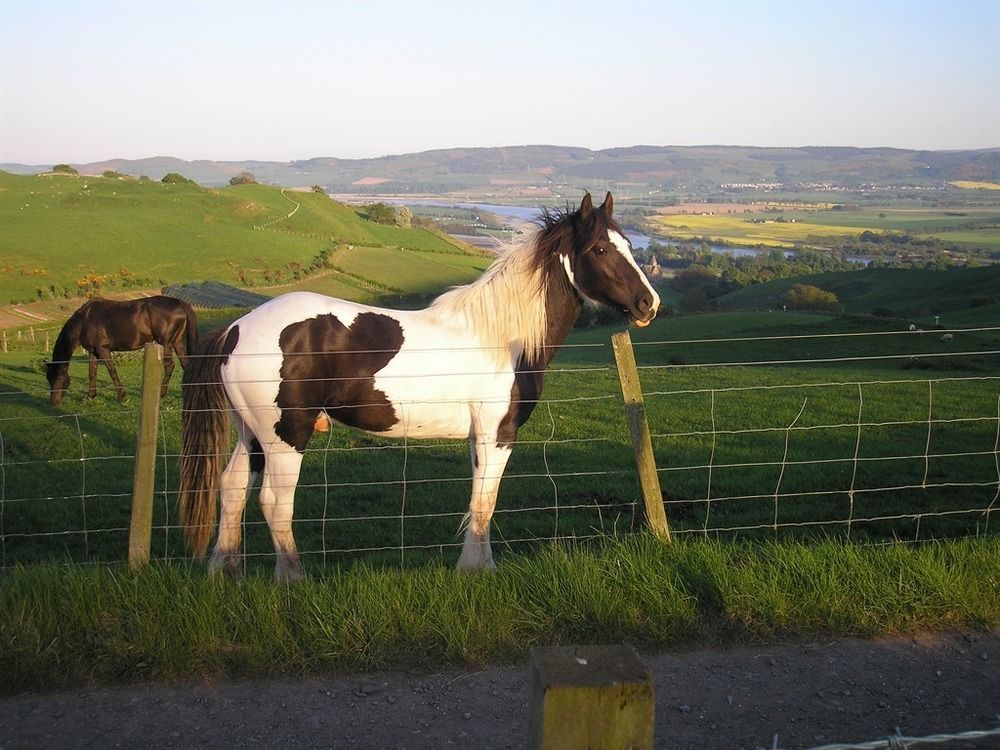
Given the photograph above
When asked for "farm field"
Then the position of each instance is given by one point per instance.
(973, 228)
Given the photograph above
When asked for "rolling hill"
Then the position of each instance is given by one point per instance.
(958, 296)
(64, 235)
(540, 170)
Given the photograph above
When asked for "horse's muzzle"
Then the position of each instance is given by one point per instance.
(643, 311)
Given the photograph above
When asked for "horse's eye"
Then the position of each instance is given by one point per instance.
(599, 250)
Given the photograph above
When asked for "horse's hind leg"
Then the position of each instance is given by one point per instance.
(168, 369)
(105, 356)
(244, 465)
(277, 495)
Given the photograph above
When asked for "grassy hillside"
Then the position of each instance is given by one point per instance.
(59, 232)
(960, 296)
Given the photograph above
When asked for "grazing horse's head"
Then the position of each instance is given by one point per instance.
(57, 374)
(600, 265)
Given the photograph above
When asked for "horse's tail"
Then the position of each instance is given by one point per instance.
(191, 330)
(204, 438)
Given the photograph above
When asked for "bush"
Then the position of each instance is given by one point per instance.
(808, 297)
(243, 178)
(64, 169)
(172, 178)
(381, 213)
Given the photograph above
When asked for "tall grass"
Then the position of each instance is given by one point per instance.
(70, 625)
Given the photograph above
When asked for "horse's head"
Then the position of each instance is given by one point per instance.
(57, 373)
(601, 267)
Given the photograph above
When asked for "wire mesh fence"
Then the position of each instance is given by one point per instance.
(876, 437)
(966, 740)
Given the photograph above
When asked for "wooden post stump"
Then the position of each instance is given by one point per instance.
(589, 698)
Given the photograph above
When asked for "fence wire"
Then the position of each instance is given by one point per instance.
(900, 741)
(748, 446)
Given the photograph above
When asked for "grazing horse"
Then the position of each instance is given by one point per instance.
(103, 326)
(470, 365)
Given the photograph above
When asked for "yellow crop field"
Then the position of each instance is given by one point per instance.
(973, 185)
(741, 230)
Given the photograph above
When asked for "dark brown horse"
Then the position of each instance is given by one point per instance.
(103, 326)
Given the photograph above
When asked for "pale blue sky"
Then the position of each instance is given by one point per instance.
(87, 81)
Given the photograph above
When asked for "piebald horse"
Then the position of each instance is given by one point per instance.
(102, 326)
(470, 365)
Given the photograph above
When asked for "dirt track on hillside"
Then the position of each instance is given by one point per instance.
(805, 694)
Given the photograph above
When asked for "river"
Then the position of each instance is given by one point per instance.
(526, 214)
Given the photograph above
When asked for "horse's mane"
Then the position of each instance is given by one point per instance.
(506, 305)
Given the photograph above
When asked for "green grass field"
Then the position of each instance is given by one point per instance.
(789, 445)
(972, 228)
(735, 454)
(957, 297)
(59, 229)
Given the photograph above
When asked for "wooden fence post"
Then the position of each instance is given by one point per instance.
(589, 698)
(141, 532)
(635, 411)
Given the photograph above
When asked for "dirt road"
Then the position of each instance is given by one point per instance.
(806, 694)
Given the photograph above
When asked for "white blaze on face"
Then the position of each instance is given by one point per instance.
(569, 271)
(622, 245)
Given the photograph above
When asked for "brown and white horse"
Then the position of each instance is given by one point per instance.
(470, 365)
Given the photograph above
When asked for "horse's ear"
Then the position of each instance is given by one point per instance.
(609, 205)
(586, 207)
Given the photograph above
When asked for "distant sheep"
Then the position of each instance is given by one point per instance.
(947, 338)
(913, 327)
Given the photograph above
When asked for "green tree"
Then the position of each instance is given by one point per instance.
(243, 178)
(809, 297)
(381, 213)
(172, 178)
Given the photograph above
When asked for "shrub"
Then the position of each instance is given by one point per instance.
(243, 178)
(172, 178)
(381, 213)
(809, 297)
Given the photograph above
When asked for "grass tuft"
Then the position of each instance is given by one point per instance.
(67, 625)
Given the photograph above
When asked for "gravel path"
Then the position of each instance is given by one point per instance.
(806, 694)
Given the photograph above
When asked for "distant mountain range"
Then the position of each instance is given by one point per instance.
(527, 171)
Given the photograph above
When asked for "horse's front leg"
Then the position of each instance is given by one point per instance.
(105, 356)
(92, 387)
(488, 463)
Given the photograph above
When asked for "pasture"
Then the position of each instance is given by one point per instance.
(143, 234)
(777, 425)
(955, 298)
(788, 446)
(967, 228)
